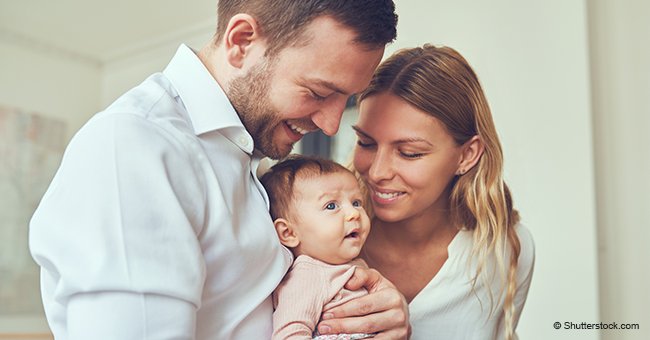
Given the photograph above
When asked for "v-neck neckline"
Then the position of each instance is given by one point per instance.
(452, 254)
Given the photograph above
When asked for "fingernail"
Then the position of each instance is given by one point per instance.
(328, 316)
(324, 329)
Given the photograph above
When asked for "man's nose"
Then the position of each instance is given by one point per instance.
(328, 118)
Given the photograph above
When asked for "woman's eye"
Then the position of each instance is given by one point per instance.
(330, 206)
(363, 145)
(411, 155)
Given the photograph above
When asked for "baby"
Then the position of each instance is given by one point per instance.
(317, 209)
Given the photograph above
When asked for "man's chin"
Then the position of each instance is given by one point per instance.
(277, 153)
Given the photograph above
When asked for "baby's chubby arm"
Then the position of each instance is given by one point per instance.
(298, 302)
(384, 310)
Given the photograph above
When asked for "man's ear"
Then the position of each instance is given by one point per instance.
(242, 39)
(471, 153)
(286, 233)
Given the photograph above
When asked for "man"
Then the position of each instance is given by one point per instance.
(155, 225)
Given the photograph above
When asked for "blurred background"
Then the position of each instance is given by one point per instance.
(569, 86)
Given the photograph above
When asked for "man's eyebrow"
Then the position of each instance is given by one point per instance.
(327, 84)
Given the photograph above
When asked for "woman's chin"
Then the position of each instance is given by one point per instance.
(387, 215)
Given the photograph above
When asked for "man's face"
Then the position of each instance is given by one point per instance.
(250, 97)
(303, 88)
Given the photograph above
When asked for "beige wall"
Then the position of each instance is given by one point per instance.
(619, 33)
(53, 83)
(137, 62)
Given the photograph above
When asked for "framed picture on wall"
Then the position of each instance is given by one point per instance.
(31, 147)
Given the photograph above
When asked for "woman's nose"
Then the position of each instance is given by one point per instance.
(381, 167)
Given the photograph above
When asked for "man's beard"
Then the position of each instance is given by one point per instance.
(249, 96)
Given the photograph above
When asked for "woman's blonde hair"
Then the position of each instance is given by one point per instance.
(439, 81)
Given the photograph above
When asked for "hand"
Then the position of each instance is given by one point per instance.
(384, 310)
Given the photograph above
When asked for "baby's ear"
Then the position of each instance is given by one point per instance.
(285, 231)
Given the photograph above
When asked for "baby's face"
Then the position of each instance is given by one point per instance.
(329, 218)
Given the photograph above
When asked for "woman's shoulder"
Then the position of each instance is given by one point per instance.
(527, 246)
(525, 236)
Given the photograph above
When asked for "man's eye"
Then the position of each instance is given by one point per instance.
(330, 206)
(317, 96)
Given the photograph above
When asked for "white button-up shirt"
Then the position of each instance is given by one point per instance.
(155, 225)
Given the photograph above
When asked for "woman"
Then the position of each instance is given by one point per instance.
(444, 230)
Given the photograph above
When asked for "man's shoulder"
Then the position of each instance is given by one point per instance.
(153, 99)
(151, 107)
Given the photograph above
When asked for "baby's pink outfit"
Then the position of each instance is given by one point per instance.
(311, 288)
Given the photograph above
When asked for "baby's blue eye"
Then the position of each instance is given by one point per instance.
(330, 206)
(356, 203)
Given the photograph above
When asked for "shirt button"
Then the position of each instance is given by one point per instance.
(243, 141)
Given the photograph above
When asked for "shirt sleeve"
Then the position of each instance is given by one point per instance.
(299, 302)
(116, 233)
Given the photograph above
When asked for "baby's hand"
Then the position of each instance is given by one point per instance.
(384, 310)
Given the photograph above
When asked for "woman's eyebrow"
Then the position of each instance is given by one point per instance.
(359, 131)
(412, 140)
(399, 141)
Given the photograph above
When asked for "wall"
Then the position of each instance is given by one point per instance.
(52, 82)
(620, 68)
(133, 64)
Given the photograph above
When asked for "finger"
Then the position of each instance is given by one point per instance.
(368, 324)
(391, 316)
(378, 301)
(389, 323)
(393, 334)
(363, 277)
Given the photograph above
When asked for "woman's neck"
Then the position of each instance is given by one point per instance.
(410, 252)
(418, 231)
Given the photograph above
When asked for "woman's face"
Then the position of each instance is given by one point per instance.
(406, 158)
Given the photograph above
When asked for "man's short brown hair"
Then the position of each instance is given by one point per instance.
(279, 180)
(283, 21)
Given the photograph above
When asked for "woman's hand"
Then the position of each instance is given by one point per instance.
(384, 310)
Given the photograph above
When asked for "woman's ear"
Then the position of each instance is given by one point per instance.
(286, 233)
(471, 153)
(241, 38)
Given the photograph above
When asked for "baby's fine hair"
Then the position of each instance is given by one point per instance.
(279, 180)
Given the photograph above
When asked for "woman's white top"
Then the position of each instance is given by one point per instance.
(448, 308)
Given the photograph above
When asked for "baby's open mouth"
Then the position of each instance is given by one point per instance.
(353, 234)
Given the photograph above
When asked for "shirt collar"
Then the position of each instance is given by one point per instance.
(205, 101)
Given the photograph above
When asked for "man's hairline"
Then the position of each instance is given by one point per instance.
(303, 38)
